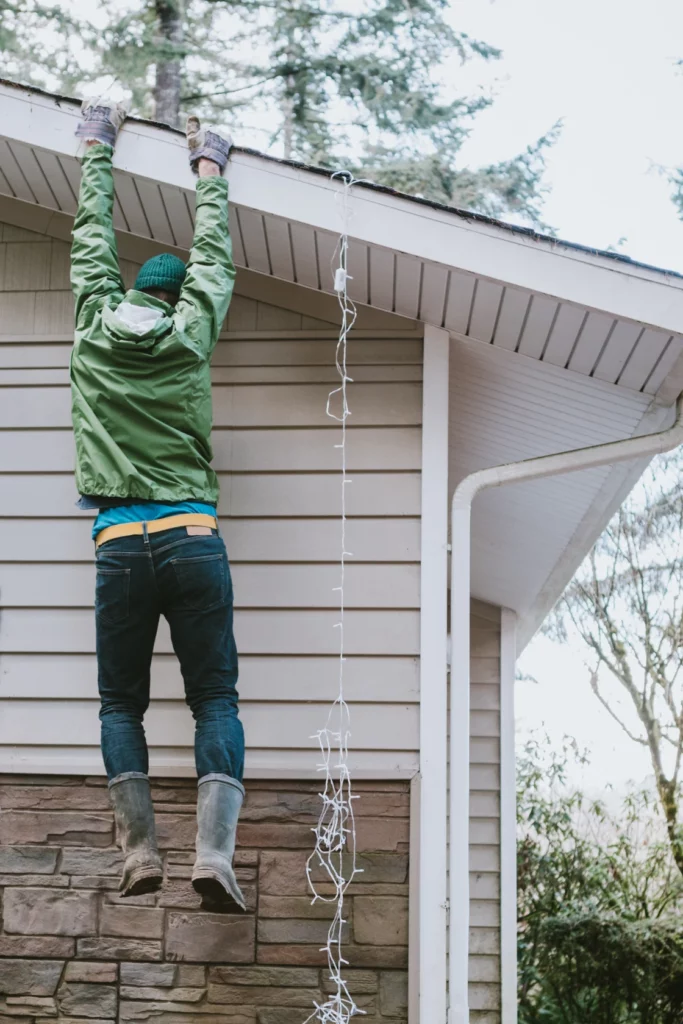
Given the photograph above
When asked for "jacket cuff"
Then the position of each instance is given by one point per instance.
(210, 189)
(103, 152)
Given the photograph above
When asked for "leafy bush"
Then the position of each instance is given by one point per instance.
(600, 932)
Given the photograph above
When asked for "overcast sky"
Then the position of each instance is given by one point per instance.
(607, 68)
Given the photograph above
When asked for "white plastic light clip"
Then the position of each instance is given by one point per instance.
(340, 279)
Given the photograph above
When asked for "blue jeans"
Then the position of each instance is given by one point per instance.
(186, 579)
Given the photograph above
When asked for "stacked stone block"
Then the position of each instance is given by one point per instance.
(72, 951)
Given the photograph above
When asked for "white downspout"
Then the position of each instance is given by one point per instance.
(464, 495)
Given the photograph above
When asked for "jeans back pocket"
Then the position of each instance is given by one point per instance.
(112, 594)
(202, 581)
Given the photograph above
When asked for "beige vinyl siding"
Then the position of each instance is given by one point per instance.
(484, 988)
(280, 500)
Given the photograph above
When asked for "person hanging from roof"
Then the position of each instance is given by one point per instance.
(141, 408)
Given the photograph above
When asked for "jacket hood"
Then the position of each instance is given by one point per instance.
(130, 330)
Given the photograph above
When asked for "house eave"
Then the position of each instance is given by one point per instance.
(470, 216)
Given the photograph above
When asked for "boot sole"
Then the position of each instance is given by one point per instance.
(141, 883)
(215, 896)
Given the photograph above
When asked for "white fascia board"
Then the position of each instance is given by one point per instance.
(45, 123)
(442, 238)
(592, 281)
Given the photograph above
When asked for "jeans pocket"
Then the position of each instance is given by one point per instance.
(112, 594)
(202, 581)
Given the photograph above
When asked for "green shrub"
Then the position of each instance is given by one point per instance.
(600, 932)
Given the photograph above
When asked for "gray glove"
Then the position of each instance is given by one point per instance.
(101, 120)
(204, 142)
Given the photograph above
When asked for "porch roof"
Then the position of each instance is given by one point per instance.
(554, 345)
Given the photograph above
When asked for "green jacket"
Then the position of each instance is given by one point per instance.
(141, 405)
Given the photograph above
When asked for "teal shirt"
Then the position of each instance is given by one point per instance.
(146, 511)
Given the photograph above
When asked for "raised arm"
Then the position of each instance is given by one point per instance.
(95, 274)
(207, 288)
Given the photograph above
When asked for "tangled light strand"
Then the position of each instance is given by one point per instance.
(334, 855)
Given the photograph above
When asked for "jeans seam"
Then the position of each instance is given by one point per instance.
(198, 558)
(181, 540)
(125, 776)
(104, 550)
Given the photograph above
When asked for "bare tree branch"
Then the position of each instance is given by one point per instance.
(612, 713)
(625, 604)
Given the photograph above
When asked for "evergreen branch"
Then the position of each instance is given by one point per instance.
(378, 63)
(191, 97)
(259, 5)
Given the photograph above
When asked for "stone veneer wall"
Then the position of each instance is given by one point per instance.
(72, 951)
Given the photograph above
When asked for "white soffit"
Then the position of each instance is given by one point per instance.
(527, 539)
(601, 317)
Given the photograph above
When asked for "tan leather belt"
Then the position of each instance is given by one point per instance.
(155, 526)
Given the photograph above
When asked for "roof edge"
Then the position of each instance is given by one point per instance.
(469, 216)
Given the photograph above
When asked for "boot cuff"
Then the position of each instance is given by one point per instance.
(217, 777)
(125, 776)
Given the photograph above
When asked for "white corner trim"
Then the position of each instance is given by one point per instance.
(433, 682)
(508, 819)
(459, 771)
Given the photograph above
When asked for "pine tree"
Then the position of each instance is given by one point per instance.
(676, 180)
(315, 82)
(675, 176)
(170, 21)
(34, 41)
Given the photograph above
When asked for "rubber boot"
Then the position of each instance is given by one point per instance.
(219, 799)
(134, 813)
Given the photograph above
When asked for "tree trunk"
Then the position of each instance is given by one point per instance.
(171, 34)
(668, 797)
(288, 119)
(288, 20)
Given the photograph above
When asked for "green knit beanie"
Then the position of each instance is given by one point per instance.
(162, 271)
